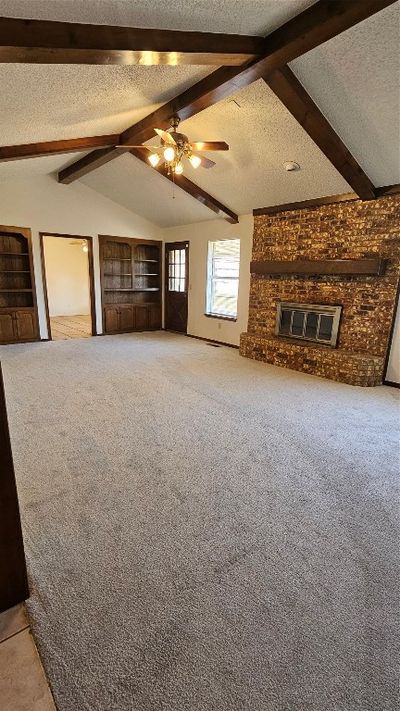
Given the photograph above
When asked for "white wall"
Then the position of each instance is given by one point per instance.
(393, 371)
(67, 276)
(45, 205)
(198, 236)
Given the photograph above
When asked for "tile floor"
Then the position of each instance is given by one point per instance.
(65, 327)
(23, 683)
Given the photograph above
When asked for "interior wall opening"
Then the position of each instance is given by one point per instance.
(67, 270)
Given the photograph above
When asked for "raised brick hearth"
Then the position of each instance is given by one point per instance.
(350, 230)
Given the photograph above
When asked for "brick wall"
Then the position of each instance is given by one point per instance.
(347, 230)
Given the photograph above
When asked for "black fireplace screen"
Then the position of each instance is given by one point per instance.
(309, 322)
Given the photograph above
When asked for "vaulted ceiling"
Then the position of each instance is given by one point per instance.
(353, 78)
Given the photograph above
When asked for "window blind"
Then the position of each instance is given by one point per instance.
(223, 277)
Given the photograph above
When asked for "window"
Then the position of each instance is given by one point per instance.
(223, 278)
(176, 270)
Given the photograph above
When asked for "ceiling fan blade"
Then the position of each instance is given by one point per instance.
(209, 146)
(166, 137)
(206, 162)
(128, 146)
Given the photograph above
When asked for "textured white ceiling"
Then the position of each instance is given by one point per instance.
(262, 135)
(141, 189)
(230, 16)
(41, 103)
(355, 80)
(23, 169)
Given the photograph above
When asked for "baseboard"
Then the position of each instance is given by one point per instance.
(211, 340)
(16, 343)
(391, 384)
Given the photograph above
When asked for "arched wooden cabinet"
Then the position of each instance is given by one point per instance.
(18, 308)
(130, 284)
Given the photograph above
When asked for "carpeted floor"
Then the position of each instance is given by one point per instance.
(203, 532)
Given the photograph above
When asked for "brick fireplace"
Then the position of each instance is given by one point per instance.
(350, 231)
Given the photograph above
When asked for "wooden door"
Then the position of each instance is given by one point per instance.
(111, 319)
(126, 318)
(13, 578)
(176, 286)
(8, 332)
(25, 325)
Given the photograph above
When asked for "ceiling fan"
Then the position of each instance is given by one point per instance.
(80, 243)
(175, 146)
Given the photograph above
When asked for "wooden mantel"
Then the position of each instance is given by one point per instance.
(345, 267)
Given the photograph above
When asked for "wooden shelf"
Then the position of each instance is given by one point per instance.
(117, 259)
(18, 310)
(346, 267)
(128, 305)
(14, 254)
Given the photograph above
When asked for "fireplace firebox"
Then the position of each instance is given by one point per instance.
(309, 322)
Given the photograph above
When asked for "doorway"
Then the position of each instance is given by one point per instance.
(67, 266)
(176, 286)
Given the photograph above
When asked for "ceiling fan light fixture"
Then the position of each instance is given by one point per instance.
(154, 159)
(169, 154)
(195, 161)
(179, 168)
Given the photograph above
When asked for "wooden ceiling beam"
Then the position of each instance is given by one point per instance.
(295, 98)
(192, 189)
(319, 23)
(51, 148)
(48, 42)
(384, 191)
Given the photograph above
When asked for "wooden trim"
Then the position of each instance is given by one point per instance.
(391, 333)
(390, 384)
(375, 267)
(50, 148)
(387, 190)
(384, 191)
(211, 340)
(49, 42)
(89, 240)
(304, 204)
(26, 231)
(128, 240)
(317, 24)
(13, 576)
(192, 189)
(220, 318)
(295, 98)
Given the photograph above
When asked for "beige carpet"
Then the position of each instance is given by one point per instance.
(203, 532)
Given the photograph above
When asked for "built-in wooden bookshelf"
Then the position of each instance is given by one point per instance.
(130, 284)
(18, 309)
